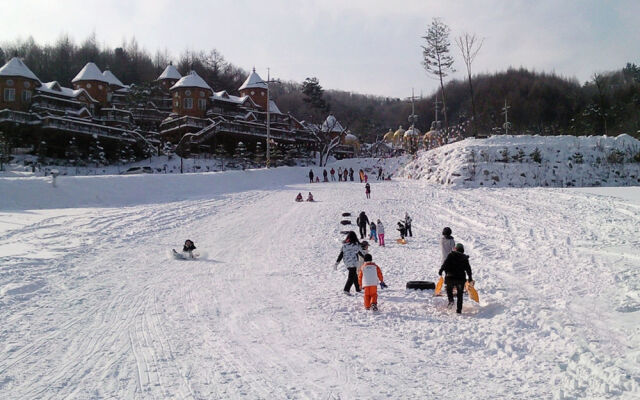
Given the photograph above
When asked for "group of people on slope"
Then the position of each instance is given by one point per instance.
(363, 272)
(376, 229)
(299, 197)
(404, 227)
(344, 175)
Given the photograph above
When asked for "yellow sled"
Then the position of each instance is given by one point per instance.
(439, 287)
(401, 241)
(473, 293)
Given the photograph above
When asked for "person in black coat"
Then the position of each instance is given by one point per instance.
(324, 175)
(310, 176)
(455, 266)
(351, 174)
(363, 222)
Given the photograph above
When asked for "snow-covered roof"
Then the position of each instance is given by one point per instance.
(350, 138)
(15, 67)
(191, 80)
(253, 81)
(331, 124)
(90, 72)
(170, 72)
(273, 108)
(412, 132)
(111, 78)
(55, 88)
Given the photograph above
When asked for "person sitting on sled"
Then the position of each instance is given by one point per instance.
(310, 197)
(189, 247)
(299, 197)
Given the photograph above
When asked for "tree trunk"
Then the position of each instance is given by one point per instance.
(473, 109)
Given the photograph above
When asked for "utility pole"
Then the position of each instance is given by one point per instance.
(505, 111)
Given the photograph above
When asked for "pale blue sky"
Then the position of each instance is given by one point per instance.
(366, 46)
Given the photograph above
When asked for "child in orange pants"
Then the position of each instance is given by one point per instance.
(369, 277)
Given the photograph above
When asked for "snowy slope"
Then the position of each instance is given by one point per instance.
(509, 161)
(92, 307)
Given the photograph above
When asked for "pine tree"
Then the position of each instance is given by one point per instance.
(42, 152)
(72, 153)
(96, 154)
(240, 154)
(221, 153)
(436, 58)
(259, 154)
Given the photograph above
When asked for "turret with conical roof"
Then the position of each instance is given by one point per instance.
(114, 82)
(91, 79)
(191, 95)
(168, 77)
(256, 88)
(17, 84)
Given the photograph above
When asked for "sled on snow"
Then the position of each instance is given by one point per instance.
(183, 255)
(401, 241)
(346, 214)
(345, 222)
(438, 290)
(421, 285)
(473, 293)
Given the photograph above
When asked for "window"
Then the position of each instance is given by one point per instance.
(100, 87)
(187, 103)
(202, 104)
(187, 92)
(252, 92)
(27, 84)
(88, 86)
(177, 103)
(202, 93)
(9, 94)
(261, 93)
(26, 96)
(9, 82)
(176, 95)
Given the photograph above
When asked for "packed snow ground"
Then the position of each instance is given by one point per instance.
(510, 161)
(92, 307)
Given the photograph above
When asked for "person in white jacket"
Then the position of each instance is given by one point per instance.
(380, 233)
(349, 253)
(446, 243)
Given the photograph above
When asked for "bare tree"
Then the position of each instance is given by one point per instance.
(328, 136)
(469, 46)
(436, 58)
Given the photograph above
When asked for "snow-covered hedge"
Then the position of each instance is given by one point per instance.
(524, 161)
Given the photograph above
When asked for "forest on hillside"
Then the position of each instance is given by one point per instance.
(539, 103)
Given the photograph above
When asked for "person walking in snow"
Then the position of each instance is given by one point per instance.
(361, 174)
(402, 229)
(333, 174)
(363, 222)
(345, 175)
(310, 176)
(324, 175)
(367, 190)
(365, 250)
(349, 253)
(368, 278)
(351, 174)
(339, 174)
(407, 224)
(380, 229)
(447, 243)
(380, 177)
(373, 232)
(455, 267)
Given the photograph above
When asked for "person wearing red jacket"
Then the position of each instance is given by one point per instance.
(368, 278)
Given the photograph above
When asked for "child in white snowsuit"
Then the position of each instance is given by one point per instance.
(368, 278)
(446, 243)
(189, 247)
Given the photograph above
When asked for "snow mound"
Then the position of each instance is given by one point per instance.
(531, 161)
